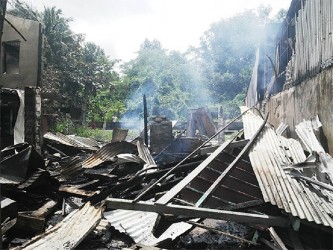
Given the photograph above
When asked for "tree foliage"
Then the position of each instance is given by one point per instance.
(226, 55)
(218, 71)
(71, 66)
(169, 81)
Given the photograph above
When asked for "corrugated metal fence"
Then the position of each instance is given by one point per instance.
(314, 39)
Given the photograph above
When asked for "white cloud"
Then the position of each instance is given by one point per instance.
(120, 26)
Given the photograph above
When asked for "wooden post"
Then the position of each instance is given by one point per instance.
(145, 114)
(32, 117)
(3, 5)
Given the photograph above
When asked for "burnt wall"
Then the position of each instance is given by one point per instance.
(20, 53)
(312, 97)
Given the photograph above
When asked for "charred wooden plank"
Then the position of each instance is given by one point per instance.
(29, 224)
(276, 238)
(45, 210)
(69, 232)
(76, 192)
(102, 177)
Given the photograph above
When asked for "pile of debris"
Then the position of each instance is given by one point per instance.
(256, 190)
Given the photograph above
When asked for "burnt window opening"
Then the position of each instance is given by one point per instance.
(9, 104)
(11, 57)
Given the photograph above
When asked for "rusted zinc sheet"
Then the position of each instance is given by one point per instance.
(107, 152)
(73, 141)
(68, 233)
(85, 142)
(267, 156)
(119, 134)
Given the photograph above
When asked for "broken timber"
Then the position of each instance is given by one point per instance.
(277, 239)
(68, 233)
(196, 212)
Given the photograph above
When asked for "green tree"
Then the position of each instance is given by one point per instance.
(71, 67)
(169, 81)
(96, 75)
(227, 53)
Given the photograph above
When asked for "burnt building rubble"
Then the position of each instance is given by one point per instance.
(257, 189)
(262, 180)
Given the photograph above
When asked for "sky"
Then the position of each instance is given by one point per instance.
(120, 26)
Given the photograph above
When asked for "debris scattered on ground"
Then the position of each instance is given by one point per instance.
(251, 191)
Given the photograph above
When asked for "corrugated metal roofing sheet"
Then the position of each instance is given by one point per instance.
(85, 142)
(146, 157)
(305, 131)
(72, 168)
(73, 141)
(140, 225)
(107, 152)
(267, 156)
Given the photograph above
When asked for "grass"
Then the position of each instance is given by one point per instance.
(67, 127)
(97, 134)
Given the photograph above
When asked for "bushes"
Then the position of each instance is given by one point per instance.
(67, 127)
(97, 134)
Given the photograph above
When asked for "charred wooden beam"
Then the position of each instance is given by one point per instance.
(102, 177)
(195, 212)
(145, 114)
(276, 238)
(76, 192)
(243, 205)
(32, 117)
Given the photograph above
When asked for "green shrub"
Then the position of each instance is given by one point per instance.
(67, 127)
(97, 134)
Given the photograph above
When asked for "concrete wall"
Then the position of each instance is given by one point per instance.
(304, 101)
(29, 55)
